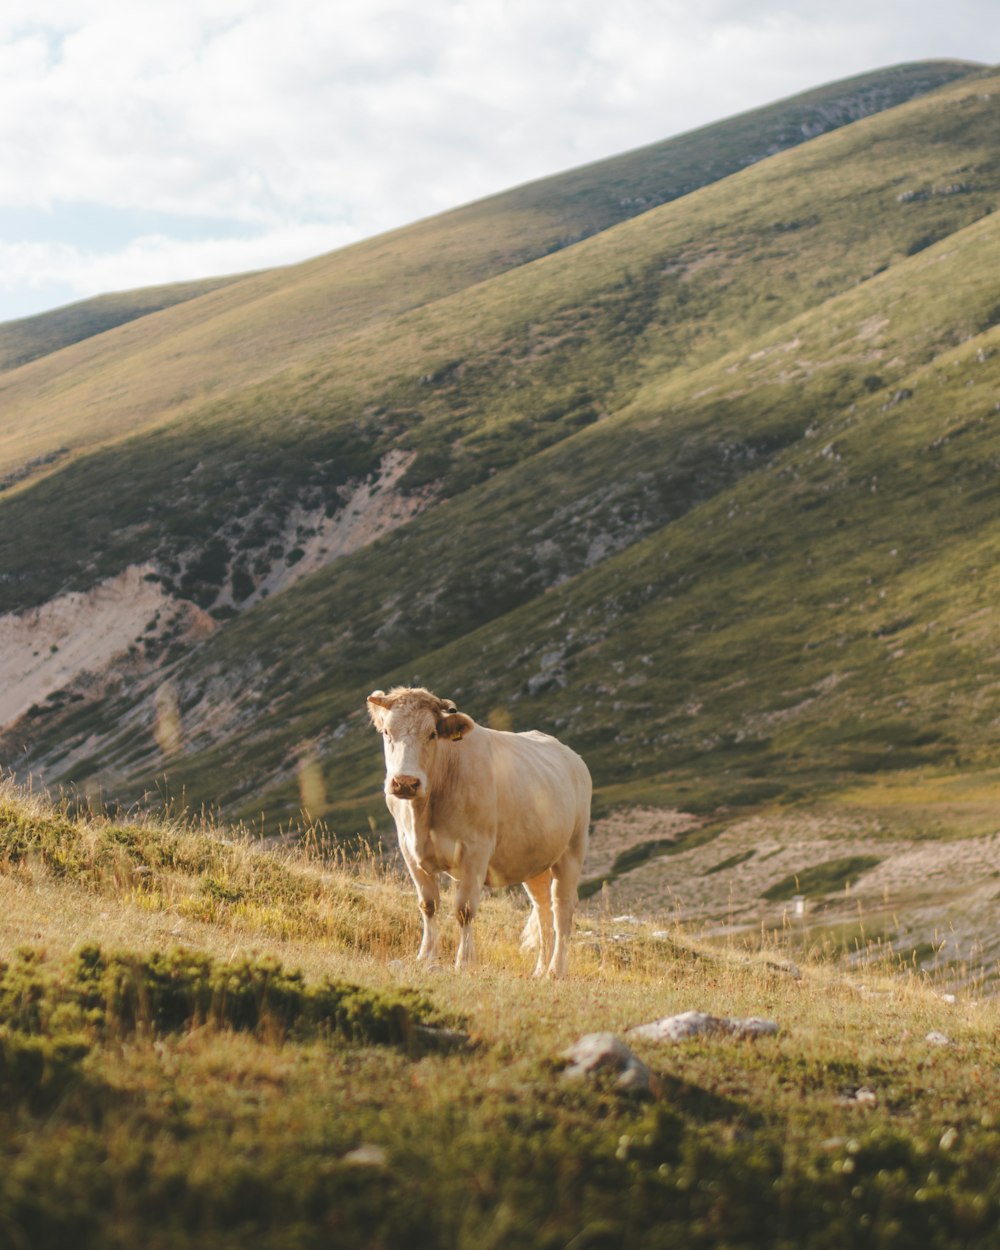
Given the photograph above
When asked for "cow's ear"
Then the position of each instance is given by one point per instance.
(377, 702)
(455, 726)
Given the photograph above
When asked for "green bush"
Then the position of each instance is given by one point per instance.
(116, 994)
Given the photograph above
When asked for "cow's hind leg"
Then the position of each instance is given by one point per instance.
(565, 878)
(539, 891)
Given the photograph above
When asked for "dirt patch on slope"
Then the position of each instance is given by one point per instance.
(370, 509)
(934, 897)
(623, 831)
(48, 648)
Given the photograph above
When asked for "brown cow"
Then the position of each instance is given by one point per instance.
(485, 807)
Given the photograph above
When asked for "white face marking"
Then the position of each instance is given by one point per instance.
(410, 739)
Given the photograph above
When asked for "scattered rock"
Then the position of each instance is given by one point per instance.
(786, 967)
(862, 1097)
(700, 1024)
(367, 1157)
(948, 1138)
(599, 1053)
(938, 1039)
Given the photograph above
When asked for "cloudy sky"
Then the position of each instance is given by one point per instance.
(147, 141)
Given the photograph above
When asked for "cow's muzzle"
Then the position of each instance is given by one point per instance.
(404, 787)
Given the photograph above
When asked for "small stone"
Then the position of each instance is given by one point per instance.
(948, 1138)
(367, 1157)
(597, 1053)
(753, 1026)
(786, 967)
(863, 1097)
(938, 1039)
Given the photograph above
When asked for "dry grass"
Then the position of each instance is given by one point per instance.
(175, 1134)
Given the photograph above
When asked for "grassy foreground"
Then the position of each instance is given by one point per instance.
(207, 1044)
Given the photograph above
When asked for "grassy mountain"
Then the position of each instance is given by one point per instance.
(28, 338)
(703, 491)
(521, 224)
(514, 363)
(207, 1045)
(157, 367)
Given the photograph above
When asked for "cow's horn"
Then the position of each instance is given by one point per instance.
(379, 698)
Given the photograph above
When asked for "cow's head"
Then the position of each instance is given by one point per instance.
(412, 722)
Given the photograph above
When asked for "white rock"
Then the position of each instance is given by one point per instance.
(863, 1097)
(701, 1024)
(367, 1157)
(597, 1053)
(938, 1039)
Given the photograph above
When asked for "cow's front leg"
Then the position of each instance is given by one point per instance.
(429, 945)
(429, 901)
(472, 874)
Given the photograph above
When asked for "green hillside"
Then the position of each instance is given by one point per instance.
(531, 220)
(797, 613)
(28, 338)
(497, 371)
(708, 493)
(158, 367)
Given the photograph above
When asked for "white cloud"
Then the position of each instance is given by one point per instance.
(298, 124)
(155, 259)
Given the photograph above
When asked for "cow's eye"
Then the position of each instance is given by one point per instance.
(432, 735)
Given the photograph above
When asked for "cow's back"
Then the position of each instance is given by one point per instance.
(538, 790)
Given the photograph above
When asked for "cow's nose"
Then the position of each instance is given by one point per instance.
(404, 787)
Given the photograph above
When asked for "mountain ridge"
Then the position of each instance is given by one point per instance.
(520, 226)
(866, 93)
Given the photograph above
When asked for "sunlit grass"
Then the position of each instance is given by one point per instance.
(141, 1103)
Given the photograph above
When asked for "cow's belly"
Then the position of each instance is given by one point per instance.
(506, 869)
(527, 846)
(442, 854)
(495, 878)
